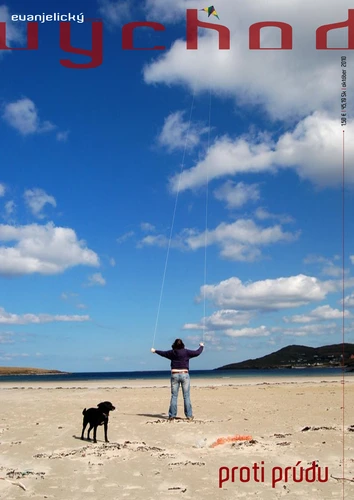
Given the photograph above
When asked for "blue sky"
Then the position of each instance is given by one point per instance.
(91, 166)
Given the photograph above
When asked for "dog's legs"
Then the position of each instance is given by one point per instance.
(83, 430)
(105, 431)
(84, 424)
(94, 434)
(90, 429)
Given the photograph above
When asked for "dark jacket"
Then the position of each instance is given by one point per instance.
(180, 357)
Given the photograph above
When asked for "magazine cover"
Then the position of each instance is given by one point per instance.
(176, 249)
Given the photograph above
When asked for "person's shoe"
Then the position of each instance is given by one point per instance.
(171, 418)
(190, 418)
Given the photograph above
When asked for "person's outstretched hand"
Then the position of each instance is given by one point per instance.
(153, 350)
(201, 344)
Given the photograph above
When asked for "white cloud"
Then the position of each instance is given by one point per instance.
(7, 338)
(147, 227)
(25, 319)
(10, 207)
(221, 320)
(263, 214)
(178, 133)
(14, 34)
(81, 306)
(311, 149)
(288, 86)
(11, 356)
(284, 83)
(237, 195)
(62, 136)
(267, 295)
(2, 190)
(40, 249)
(320, 313)
(260, 331)
(36, 199)
(96, 279)
(125, 237)
(241, 240)
(348, 301)
(114, 13)
(329, 267)
(330, 329)
(23, 116)
(162, 241)
(68, 295)
(112, 262)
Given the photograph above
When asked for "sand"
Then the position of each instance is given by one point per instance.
(148, 457)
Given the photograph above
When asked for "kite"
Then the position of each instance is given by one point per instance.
(210, 11)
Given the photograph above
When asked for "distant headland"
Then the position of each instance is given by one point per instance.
(300, 356)
(14, 370)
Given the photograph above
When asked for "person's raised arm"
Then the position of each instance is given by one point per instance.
(164, 354)
(193, 354)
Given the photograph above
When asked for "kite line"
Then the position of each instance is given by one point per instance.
(206, 218)
(174, 217)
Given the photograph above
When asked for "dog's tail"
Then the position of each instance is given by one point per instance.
(84, 411)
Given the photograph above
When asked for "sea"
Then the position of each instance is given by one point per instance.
(194, 374)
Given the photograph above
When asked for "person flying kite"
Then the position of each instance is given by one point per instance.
(210, 11)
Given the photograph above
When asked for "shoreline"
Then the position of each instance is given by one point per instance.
(199, 382)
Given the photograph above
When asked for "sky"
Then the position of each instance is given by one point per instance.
(174, 193)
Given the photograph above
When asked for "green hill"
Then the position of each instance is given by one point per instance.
(299, 356)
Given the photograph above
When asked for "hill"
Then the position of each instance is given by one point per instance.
(299, 356)
(13, 370)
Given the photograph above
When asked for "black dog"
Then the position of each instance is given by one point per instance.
(95, 417)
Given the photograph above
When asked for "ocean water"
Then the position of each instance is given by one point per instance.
(195, 374)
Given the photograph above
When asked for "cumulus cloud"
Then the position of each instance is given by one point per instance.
(284, 84)
(14, 33)
(25, 319)
(263, 214)
(267, 295)
(114, 13)
(330, 329)
(147, 227)
(96, 279)
(22, 115)
(2, 190)
(348, 300)
(329, 267)
(41, 249)
(288, 87)
(7, 338)
(178, 133)
(320, 313)
(239, 241)
(62, 136)
(221, 320)
(237, 195)
(260, 331)
(125, 237)
(162, 241)
(36, 199)
(312, 149)
(9, 208)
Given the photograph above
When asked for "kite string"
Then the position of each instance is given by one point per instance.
(206, 219)
(173, 221)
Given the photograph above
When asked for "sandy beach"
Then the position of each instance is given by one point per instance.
(290, 423)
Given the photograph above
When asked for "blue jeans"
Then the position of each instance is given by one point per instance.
(178, 379)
